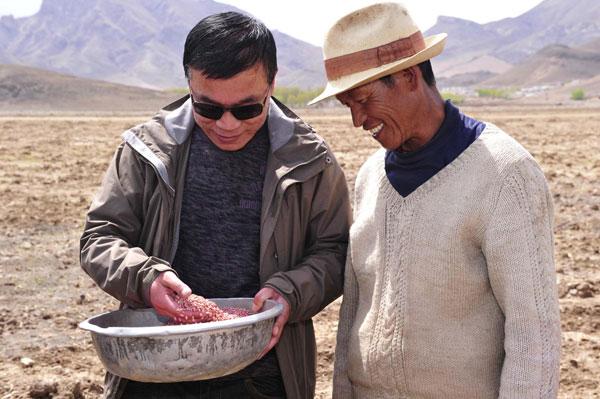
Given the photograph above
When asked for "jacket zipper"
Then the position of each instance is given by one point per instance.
(170, 190)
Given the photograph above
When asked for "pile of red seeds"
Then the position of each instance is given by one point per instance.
(197, 309)
(235, 313)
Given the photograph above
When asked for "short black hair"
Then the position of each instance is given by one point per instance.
(426, 71)
(225, 44)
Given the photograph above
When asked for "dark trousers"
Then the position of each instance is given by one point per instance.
(248, 388)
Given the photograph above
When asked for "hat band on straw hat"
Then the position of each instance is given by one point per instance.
(363, 60)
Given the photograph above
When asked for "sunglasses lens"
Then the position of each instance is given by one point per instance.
(209, 111)
(247, 111)
(241, 113)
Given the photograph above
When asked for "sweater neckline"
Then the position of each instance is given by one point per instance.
(396, 199)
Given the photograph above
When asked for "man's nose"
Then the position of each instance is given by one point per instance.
(358, 117)
(228, 121)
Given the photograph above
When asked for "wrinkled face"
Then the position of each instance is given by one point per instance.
(385, 112)
(246, 88)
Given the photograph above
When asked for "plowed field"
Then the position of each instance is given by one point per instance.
(51, 166)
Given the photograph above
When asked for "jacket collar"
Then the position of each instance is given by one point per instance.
(180, 122)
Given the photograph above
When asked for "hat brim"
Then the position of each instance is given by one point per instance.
(434, 46)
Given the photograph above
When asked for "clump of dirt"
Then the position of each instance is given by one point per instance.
(43, 390)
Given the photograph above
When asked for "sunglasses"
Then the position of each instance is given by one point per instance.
(241, 113)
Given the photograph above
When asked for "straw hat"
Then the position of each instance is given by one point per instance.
(372, 42)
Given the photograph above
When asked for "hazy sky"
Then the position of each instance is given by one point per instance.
(292, 17)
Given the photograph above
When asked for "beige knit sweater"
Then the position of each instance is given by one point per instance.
(451, 291)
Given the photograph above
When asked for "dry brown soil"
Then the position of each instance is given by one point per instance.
(51, 166)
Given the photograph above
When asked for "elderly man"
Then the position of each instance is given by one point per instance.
(449, 288)
(225, 193)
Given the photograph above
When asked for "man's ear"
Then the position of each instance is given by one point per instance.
(411, 77)
(273, 84)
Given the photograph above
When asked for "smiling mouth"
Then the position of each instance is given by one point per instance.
(375, 131)
(227, 138)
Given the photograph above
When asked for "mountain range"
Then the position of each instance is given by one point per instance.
(140, 43)
(498, 46)
(134, 42)
(553, 64)
(41, 91)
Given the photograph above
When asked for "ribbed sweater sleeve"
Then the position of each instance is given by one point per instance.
(518, 247)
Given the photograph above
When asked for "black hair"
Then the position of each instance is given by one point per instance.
(225, 44)
(426, 71)
(388, 81)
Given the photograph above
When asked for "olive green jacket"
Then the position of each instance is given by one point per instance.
(131, 230)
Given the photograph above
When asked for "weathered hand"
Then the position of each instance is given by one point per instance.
(162, 290)
(259, 300)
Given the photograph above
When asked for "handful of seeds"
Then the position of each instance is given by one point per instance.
(197, 309)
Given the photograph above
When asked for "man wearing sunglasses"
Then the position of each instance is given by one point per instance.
(224, 193)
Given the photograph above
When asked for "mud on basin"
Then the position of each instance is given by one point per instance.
(136, 344)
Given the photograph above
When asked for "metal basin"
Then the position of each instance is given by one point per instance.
(135, 344)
